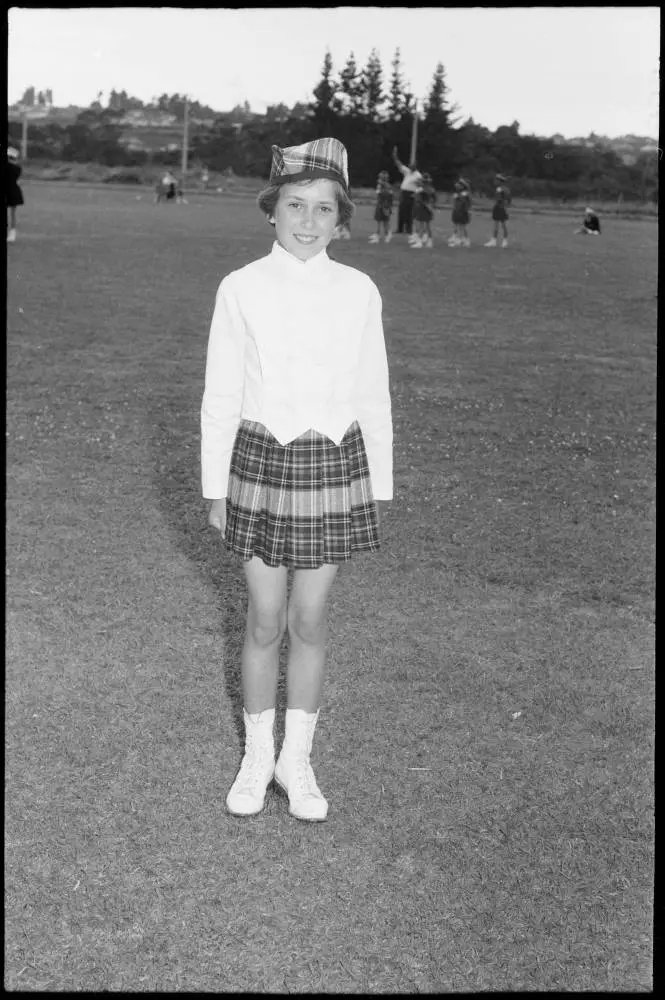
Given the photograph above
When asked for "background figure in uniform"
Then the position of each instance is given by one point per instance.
(383, 209)
(590, 224)
(425, 204)
(411, 178)
(461, 215)
(168, 189)
(14, 195)
(500, 211)
(165, 188)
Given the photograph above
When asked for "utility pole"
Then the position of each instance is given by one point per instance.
(24, 137)
(414, 134)
(185, 141)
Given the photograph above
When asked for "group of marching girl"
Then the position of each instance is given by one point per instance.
(424, 203)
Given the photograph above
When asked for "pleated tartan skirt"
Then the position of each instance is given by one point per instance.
(302, 504)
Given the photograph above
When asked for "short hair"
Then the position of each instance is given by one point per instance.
(268, 198)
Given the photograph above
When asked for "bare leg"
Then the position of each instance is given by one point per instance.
(266, 622)
(308, 628)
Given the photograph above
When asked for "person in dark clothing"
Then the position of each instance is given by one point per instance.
(502, 200)
(14, 194)
(590, 224)
(383, 208)
(423, 214)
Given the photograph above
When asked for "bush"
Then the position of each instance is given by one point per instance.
(121, 175)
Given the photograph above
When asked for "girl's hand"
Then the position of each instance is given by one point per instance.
(217, 515)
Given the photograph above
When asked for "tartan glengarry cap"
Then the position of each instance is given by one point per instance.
(319, 158)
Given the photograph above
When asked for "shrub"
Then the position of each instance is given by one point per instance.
(121, 175)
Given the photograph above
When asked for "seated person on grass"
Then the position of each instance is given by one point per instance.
(590, 224)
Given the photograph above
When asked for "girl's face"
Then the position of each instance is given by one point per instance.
(305, 217)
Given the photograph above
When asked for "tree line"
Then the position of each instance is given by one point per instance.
(370, 114)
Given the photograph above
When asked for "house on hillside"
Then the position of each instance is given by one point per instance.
(147, 118)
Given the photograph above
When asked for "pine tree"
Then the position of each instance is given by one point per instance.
(351, 88)
(372, 82)
(435, 104)
(397, 97)
(323, 105)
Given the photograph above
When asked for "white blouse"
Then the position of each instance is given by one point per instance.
(296, 345)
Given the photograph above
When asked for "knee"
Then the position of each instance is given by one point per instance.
(265, 628)
(307, 626)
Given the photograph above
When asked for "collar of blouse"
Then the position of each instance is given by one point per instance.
(290, 265)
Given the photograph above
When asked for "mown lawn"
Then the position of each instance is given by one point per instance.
(486, 738)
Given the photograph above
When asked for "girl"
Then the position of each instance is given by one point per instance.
(296, 451)
(461, 215)
(500, 211)
(14, 194)
(383, 209)
(425, 203)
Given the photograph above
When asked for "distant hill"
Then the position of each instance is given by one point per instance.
(153, 118)
(627, 147)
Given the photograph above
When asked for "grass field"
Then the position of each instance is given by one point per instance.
(36, 171)
(486, 737)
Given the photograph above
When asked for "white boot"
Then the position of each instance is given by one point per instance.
(388, 236)
(491, 243)
(11, 236)
(374, 238)
(293, 771)
(416, 243)
(248, 792)
(454, 241)
(505, 243)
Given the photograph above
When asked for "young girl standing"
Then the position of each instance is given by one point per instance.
(425, 202)
(383, 209)
(500, 211)
(296, 451)
(461, 215)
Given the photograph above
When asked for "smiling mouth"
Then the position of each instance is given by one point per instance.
(305, 239)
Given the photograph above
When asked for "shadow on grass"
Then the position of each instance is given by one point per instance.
(176, 476)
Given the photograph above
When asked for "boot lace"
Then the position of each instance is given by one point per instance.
(303, 782)
(253, 768)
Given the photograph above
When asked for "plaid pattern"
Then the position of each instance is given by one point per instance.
(424, 204)
(320, 158)
(461, 206)
(384, 204)
(302, 504)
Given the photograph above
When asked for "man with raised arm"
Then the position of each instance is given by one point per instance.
(411, 179)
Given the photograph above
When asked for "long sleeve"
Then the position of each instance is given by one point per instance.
(373, 401)
(223, 394)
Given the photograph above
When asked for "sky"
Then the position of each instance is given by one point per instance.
(568, 70)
